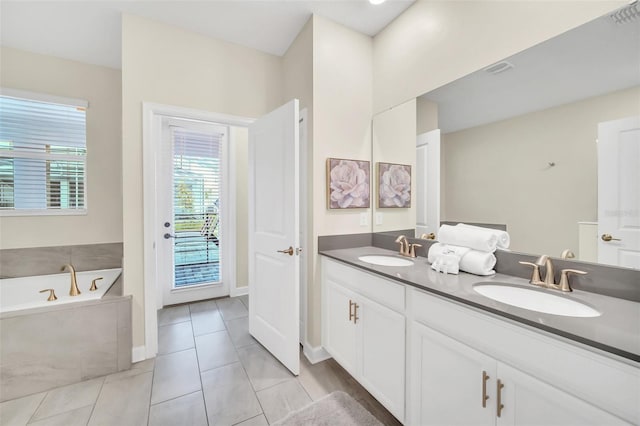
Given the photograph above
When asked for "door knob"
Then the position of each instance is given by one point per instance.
(167, 236)
(608, 237)
(288, 251)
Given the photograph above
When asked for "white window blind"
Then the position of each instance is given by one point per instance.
(196, 173)
(42, 157)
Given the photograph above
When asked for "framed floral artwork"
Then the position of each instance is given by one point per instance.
(348, 183)
(394, 185)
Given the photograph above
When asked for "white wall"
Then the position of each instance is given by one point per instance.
(394, 141)
(499, 173)
(435, 42)
(101, 87)
(342, 110)
(167, 65)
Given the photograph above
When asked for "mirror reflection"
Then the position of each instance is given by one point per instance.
(547, 144)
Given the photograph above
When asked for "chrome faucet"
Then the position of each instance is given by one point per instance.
(406, 248)
(545, 261)
(549, 280)
(404, 245)
(74, 290)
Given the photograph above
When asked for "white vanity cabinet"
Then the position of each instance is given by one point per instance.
(455, 384)
(364, 330)
(457, 355)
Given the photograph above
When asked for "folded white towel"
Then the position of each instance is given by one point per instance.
(447, 264)
(472, 261)
(503, 236)
(476, 239)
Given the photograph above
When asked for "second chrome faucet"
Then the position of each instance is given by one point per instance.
(406, 248)
(549, 276)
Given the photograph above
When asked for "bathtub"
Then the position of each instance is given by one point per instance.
(45, 345)
(17, 294)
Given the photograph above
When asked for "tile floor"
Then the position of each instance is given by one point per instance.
(209, 371)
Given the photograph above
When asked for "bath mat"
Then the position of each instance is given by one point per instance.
(335, 409)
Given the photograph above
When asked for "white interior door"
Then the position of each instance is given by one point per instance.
(619, 192)
(274, 254)
(428, 183)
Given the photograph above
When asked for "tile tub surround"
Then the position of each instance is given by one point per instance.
(61, 345)
(614, 332)
(25, 262)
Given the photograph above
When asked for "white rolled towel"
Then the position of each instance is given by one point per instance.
(476, 239)
(503, 236)
(472, 261)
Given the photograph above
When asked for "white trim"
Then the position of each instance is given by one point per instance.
(239, 291)
(230, 263)
(151, 126)
(305, 242)
(43, 97)
(315, 354)
(138, 353)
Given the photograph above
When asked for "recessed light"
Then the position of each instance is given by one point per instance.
(376, 1)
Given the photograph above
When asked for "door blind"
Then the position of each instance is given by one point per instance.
(196, 156)
(42, 156)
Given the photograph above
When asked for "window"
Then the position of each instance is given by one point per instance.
(43, 154)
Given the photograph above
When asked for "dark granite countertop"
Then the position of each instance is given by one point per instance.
(615, 331)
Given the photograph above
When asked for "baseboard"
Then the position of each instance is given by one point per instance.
(315, 354)
(138, 353)
(239, 291)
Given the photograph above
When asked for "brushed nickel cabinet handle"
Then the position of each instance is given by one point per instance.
(355, 313)
(485, 377)
(351, 314)
(499, 405)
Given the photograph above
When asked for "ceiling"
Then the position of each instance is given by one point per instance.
(596, 58)
(89, 31)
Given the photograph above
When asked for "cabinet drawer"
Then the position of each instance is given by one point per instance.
(385, 292)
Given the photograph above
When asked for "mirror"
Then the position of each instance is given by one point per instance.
(518, 139)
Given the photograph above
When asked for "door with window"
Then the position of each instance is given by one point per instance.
(192, 189)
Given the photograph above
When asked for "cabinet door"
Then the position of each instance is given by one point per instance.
(382, 354)
(340, 333)
(528, 401)
(447, 381)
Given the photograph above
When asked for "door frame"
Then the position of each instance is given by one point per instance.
(152, 114)
(430, 196)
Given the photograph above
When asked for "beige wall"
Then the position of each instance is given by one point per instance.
(342, 110)
(499, 173)
(394, 141)
(101, 87)
(427, 115)
(239, 139)
(298, 83)
(435, 42)
(164, 64)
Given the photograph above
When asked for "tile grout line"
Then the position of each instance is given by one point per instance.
(93, 409)
(153, 376)
(204, 401)
(38, 407)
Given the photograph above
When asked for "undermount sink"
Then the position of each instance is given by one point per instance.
(534, 300)
(385, 260)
